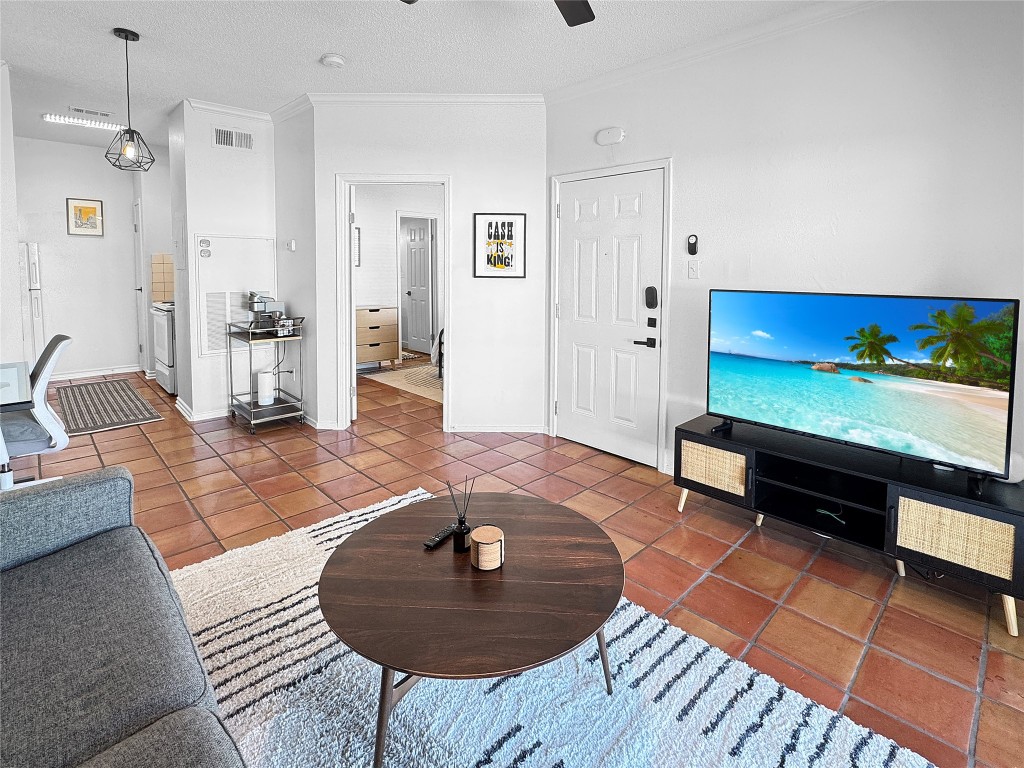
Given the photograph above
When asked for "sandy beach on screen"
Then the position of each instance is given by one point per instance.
(989, 401)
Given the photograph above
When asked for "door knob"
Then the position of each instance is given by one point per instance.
(408, 293)
(139, 290)
(650, 341)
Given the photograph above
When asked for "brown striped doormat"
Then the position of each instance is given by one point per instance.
(102, 405)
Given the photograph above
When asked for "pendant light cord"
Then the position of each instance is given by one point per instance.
(127, 83)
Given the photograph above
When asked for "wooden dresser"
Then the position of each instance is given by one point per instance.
(377, 335)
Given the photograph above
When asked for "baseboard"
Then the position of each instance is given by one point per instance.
(542, 429)
(184, 409)
(150, 374)
(97, 372)
(323, 425)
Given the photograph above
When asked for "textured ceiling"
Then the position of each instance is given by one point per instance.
(261, 55)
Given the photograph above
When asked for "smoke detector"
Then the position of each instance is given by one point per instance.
(335, 60)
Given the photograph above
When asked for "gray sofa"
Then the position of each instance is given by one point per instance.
(97, 665)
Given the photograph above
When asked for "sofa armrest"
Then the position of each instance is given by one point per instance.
(41, 519)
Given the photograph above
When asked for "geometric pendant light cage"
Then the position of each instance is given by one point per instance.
(129, 151)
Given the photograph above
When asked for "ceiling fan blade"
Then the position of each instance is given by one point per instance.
(575, 12)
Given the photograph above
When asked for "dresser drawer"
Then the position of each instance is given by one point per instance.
(371, 353)
(383, 316)
(375, 334)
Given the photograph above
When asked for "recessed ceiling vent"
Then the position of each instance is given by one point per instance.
(230, 138)
(83, 112)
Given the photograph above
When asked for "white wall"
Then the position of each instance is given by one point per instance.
(878, 152)
(88, 282)
(12, 345)
(375, 281)
(493, 152)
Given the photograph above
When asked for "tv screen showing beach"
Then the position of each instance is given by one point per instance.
(924, 377)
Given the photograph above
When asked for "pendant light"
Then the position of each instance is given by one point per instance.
(129, 151)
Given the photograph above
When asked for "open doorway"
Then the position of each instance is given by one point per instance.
(397, 242)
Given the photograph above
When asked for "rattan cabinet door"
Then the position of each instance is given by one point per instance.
(973, 541)
(716, 471)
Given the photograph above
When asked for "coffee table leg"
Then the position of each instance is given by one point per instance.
(603, 648)
(387, 683)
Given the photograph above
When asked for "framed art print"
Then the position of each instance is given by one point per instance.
(85, 217)
(499, 245)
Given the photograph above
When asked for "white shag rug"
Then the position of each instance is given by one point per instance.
(293, 695)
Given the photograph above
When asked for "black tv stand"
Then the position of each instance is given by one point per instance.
(949, 522)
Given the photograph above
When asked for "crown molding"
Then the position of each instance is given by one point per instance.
(406, 99)
(223, 109)
(803, 18)
(292, 108)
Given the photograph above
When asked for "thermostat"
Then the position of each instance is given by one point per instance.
(610, 136)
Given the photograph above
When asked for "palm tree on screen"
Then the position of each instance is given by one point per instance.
(872, 346)
(958, 338)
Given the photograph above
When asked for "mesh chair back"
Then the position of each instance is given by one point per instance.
(43, 369)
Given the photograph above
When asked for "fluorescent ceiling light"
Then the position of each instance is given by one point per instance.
(83, 122)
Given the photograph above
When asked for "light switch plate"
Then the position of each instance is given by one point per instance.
(693, 269)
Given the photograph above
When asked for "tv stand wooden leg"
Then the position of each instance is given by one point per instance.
(1010, 609)
(759, 519)
(682, 499)
(900, 569)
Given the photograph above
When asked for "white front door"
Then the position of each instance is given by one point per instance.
(142, 295)
(609, 313)
(416, 282)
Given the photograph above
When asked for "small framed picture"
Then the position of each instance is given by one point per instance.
(499, 245)
(85, 217)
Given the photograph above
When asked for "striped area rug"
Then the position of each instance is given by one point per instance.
(102, 405)
(293, 695)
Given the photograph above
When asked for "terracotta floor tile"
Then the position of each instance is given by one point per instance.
(198, 468)
(642, 596)
(721, 525)
(141, 466)
(176, 444)
(390, 472)
(999, 637)
(218, 481)
(794, 678)
(493, 439)
(520, 449)
(737, 609)
(1004, 680)
(813, 646)
(440, 439)
(254, 535)
(408, 447)
(115, 434)
(609, 463)
(968, 617)
(942, 755)
(661, 572)
(233, 444)
(999, 735)
(195, 555)
(921, 699)
(833, 606)
(370, 458)
(664, 505)
(637, 524)
(519, 474)
(780, 547)
(584, 474)
(553, 488)
(491, 484)
(457, 472)
(647, 475)
(490, 460)
(297, 502)
(426, 482)
(72, 467)
(623, 488)
(550, 461)
(627, 547)
(420, 430)
(237, 521)
(345, 487)
(160, 518)
(575, 450)
(758, 573)
(88, 451)
(135, 441)
(314, 516)
(181, 538)
(185, 455)
(157, 497)
(365, 499)
(292, 445)
(153, 479)
(262, 470)
(692, 546)
(111, 458)
(850, 573)
(276, 486)
(329, 470)
(211, 425)
(249, 456)
(707, 631)
(943, 651)
(594, 505)
(222, 501)
(386, 438)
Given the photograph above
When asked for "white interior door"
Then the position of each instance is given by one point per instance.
(416, 280)
(609, 337)
(142, 292)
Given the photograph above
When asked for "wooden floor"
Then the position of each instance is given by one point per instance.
(930, 665)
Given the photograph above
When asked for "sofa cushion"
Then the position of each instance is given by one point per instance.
(190, 737)
(95, 648)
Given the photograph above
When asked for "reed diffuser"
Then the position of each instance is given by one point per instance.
(460, 539)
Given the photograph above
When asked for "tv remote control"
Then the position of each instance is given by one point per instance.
(438, 538)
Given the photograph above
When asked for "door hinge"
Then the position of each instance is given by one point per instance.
(558, 210)
(351, 217)
(556, 310)
(556, 407)
(351, 391)
(140, 349)
(136, 227)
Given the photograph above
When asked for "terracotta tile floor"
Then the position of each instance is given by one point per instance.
(930, 665)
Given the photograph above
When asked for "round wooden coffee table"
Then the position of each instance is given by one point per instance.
(429, 613)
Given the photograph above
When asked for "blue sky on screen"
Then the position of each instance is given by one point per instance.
(788, 326)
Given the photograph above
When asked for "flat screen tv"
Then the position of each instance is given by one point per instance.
(926, 377)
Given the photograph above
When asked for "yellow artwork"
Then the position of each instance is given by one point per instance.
(85, 217)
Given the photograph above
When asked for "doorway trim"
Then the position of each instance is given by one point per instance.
(665, 165)
(345, 327)
(432, 218)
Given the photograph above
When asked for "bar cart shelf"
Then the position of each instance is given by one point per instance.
(286, 404)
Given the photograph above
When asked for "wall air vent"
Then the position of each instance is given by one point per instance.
(83, 112)
(230, 138)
